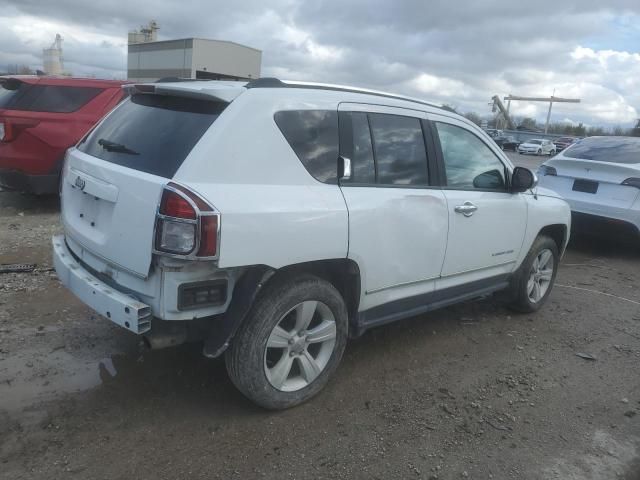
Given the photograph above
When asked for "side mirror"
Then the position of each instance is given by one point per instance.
(492, 179)
(522, 180)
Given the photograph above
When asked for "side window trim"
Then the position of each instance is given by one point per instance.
(435, 162)
(373, 149)
(440, 157)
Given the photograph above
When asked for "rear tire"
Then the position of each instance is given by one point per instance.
(534, 280)
(276, 359)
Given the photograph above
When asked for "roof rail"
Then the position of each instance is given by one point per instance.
(271, 82)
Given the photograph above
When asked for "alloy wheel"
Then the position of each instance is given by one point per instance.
(300, 346)
(540, 275)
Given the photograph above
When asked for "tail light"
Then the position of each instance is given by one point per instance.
(6, 132)
(632, 182)
(186, 225)
(545, 170)
(9, 130)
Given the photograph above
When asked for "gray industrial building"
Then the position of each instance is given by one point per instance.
(192, 58)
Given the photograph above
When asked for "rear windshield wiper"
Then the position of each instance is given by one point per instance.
(116, 147)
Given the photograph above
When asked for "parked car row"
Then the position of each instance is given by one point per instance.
(177, 228)
(535, 146)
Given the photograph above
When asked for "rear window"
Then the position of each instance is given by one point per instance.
(152, 133)
(16, 95)
(606, 149)
(313, 136)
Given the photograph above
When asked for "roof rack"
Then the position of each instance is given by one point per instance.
(271, 82)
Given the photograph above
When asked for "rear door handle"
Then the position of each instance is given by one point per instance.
(467, 209)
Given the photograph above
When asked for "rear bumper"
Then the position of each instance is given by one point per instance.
(118, 307)
(37, 184)
(604, 226)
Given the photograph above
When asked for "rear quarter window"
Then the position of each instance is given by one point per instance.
(606, 149)
(45, 98)
(152, 133)
(313, 136)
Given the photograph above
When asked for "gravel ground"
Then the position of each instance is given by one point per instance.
(472, 391)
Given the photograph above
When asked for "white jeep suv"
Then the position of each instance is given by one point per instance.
(274, 220)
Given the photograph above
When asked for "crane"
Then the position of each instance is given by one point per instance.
(552, 99)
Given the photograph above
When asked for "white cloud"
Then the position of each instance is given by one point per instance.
(442, 51)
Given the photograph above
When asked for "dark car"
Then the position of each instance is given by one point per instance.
(40, 118)
(507, 143)
(563, 142)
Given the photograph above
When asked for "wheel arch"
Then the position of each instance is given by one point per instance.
(559, 233)
(342, 273)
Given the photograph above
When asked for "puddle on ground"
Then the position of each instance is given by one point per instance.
(25, 381)
(33, 377)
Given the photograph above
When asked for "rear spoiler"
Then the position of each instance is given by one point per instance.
(10, 83)
(207, 92)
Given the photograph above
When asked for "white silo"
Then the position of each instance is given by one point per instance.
(146, 34)
(53, 57)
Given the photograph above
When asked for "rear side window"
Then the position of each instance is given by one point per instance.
(45, 98)
(313, 136)
(152, 133)
(606, 149)
(400, 155)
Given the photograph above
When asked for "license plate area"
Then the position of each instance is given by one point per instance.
(586, 186)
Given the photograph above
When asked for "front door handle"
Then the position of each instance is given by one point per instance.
(467, 209)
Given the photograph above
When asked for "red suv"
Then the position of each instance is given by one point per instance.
(40, 117)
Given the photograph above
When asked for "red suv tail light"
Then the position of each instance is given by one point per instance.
(6, 132)
(186, 225)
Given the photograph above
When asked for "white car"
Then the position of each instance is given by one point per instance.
(537, 146)
(600, 178)
(274, 220)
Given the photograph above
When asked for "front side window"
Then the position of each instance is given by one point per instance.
(469, 162)
(313, 136)
(400, 154)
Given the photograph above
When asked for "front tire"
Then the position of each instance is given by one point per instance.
(539, 151)
(290, 343)
(535, 278)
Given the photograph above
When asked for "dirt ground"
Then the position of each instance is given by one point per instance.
(472, 391)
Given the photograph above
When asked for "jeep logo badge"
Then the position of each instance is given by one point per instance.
(80, 183)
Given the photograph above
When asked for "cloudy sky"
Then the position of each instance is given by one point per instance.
(455, 52)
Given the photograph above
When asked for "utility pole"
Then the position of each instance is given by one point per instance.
(550, 99)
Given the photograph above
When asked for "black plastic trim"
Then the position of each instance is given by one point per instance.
(412, 306)
(220, 282)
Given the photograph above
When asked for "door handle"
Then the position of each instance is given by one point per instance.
(467, 209)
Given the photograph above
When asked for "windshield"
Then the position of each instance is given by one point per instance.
(535, 142)
(606, 149)
(152, 133)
